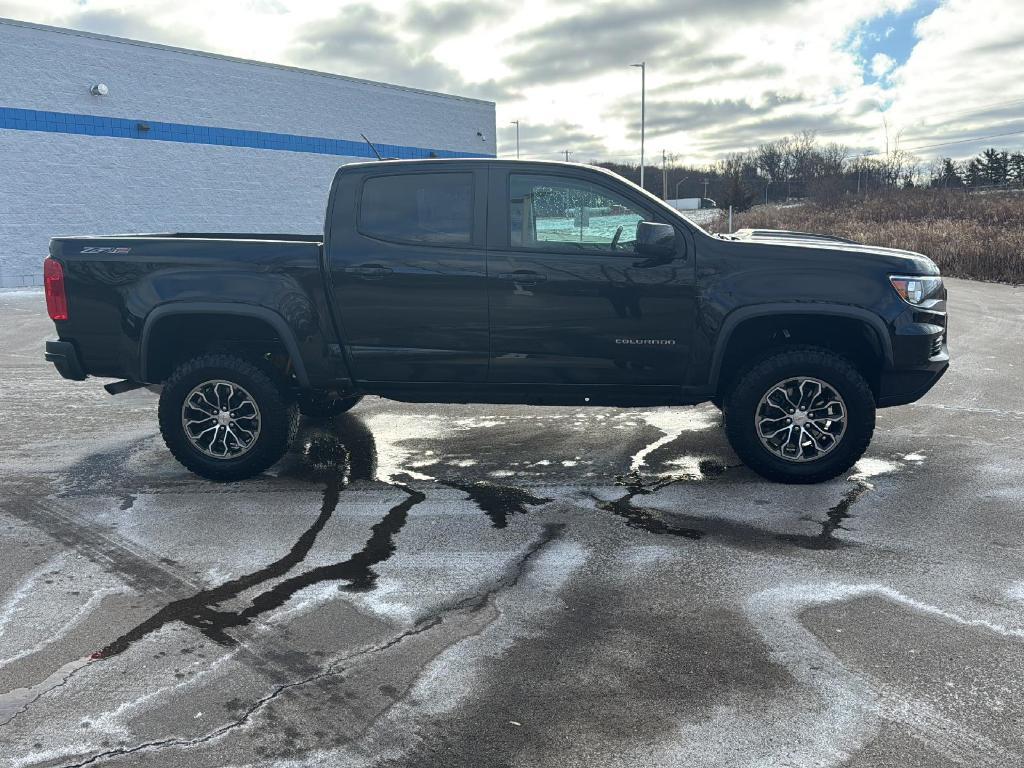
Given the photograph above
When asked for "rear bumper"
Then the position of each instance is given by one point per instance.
(64, 357)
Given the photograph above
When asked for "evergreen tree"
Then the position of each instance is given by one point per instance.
(994, 166)
(949, 175)
(1015, 169)
(974, 175)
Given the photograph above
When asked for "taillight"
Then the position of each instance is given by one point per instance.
(53, 284)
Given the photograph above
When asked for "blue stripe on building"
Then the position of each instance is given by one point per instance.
(152, 130)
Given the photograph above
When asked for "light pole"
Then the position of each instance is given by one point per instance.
(516, 124)
(678, 183)
(643, 113)
(705, 188)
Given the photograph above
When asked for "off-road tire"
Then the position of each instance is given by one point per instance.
(279, 417)
(316, 405)
(742, 401)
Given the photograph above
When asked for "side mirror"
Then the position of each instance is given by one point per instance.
(656, 241)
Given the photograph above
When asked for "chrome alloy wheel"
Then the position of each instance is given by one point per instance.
(221, 419)
(801, 419)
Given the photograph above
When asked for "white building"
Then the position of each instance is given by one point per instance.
(100, 135)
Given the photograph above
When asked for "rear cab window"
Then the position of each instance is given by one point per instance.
(418, 208)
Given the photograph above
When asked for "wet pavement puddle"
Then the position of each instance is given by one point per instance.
(344, 453)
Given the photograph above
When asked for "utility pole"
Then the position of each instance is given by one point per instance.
(643, 113)
(664, 177)
(516, 124)
(705, 187)
(567, 153)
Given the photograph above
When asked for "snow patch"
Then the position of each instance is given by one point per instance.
(687, 465)
(671, 423)
(391, 431)
(866, 468)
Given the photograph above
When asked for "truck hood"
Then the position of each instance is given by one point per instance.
(826, 245)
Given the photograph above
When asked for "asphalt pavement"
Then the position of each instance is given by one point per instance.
(421, 585)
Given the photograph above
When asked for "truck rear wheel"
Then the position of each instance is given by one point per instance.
(802, 415)
(224, 418)
(317, 405)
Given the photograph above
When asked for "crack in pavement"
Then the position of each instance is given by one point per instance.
(339, 666)
(474, 604)
(16, 701)
(198, 610)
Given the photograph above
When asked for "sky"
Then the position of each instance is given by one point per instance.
(936, 77)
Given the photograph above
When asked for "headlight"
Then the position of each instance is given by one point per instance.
(917, 290)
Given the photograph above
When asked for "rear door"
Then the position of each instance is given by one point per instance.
(407, 272)
(570, 300)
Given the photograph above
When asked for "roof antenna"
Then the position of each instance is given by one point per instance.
(371, 146)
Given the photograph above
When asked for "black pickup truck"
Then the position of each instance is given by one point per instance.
(491, 281)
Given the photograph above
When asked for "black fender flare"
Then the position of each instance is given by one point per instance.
(737, 316)
(269, 316)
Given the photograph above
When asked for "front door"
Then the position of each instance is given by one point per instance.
(406, 256)
(570, 300)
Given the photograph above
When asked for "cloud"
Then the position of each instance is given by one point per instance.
(450, 19)
(548, 141)
(603, 37)
(363, 41)
(962, 79)
(881, 64)
(713, 75)
(749, 135)
(128, 23)
(669, 116)
(721, 76)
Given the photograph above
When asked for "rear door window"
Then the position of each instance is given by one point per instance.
(420, 208)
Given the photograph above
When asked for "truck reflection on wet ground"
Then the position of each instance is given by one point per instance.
(742, 535)
(344, 451)
(834, 521)
(323, 455)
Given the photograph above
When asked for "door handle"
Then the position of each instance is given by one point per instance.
(523, 277)
(368, 271)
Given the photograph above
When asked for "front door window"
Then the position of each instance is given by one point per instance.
(559, 214)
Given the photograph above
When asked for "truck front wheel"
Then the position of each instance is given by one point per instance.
(224, 418)
(802, 415)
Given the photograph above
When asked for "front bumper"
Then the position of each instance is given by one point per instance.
(64, 357)
(902, 387)
(920, 358)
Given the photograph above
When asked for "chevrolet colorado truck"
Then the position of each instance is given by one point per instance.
(493, 281)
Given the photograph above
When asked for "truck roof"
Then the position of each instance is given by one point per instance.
(463, 161)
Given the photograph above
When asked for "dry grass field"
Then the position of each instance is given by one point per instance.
(978, 236)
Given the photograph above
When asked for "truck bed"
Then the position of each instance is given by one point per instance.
(115, 283)
(271, 236)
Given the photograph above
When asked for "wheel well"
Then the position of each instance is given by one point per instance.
(173, 339)
(758, 337)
